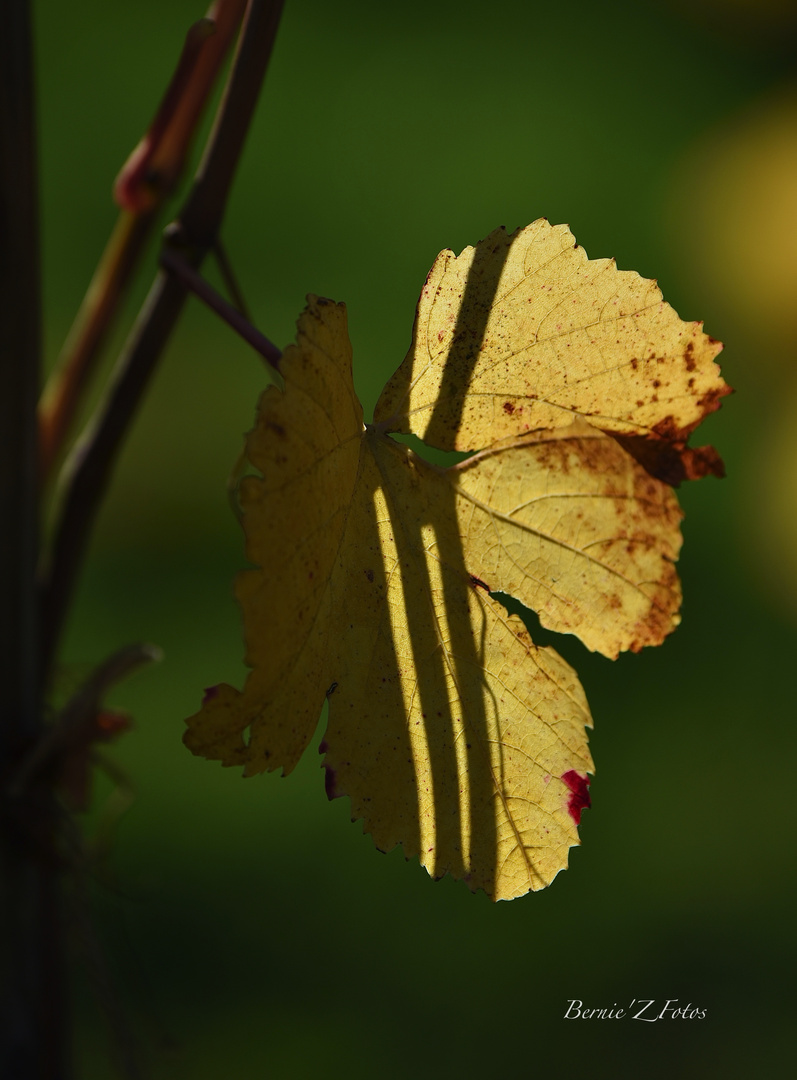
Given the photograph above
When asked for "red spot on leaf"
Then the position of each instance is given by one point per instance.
(209, 694)
(329, 782)
(509, 407)
(579, 793)
(330, 774)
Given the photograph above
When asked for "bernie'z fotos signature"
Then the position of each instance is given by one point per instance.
(642, 1009)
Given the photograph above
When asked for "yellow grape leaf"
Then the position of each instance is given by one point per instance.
(449, 730)
(524, 332)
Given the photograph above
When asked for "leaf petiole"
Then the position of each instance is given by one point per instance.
(181, 268)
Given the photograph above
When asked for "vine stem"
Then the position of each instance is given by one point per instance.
(146, 180)
(87, 471)
(172, 261)
(32, 1012)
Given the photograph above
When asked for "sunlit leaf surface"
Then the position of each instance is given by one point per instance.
(452, 734)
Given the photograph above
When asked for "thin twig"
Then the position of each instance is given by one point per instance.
(144, 183)
(229, 279)
(81, 350)
(75, 721)
(87, 471)
(177, 265)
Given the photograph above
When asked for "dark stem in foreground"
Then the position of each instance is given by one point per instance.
(32, 1013)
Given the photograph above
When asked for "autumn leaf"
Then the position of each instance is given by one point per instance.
(451, 733)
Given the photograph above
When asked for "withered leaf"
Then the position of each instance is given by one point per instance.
(449, 730)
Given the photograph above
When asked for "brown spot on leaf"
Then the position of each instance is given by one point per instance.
(711, 401)
(668, 429)
(672, 461)
(702, 461)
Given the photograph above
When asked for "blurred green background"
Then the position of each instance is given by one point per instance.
(250, 929)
